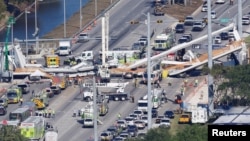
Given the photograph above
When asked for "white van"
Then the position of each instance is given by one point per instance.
(64, 48)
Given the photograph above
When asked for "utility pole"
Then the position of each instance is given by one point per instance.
(80, 14)
(95, 110)
(64, 11)
(149, 75)
(210, 58)
(107, 31)
(95, 8)
(240, 17)
(103, 42)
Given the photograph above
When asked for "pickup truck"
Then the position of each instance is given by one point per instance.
(185, 118)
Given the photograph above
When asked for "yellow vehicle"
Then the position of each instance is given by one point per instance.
(33, 128)
(60, 81)
(185, 118)
(14, 94)
(52, 61)
(41, 100)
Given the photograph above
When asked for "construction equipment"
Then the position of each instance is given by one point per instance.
(118, 95)
(41, 100)
(33, 128)
(5, 72)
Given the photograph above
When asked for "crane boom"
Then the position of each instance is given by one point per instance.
(6, 64)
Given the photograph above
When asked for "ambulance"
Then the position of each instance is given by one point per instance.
(52, 61)
(33, 128)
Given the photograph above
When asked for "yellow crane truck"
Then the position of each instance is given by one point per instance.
(41, 100)
(58, 83)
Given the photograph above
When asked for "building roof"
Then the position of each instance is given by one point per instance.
(235, 115)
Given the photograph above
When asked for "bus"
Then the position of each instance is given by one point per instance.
(20, 114)
(14, 95)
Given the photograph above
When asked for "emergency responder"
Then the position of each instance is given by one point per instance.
(182, 90)
(119, 116)
(49, 113)
(136, 82)
(21, 101)
(185, 82)
(196, 83)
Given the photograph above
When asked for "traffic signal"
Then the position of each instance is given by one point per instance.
(134, 22)
(159, 21)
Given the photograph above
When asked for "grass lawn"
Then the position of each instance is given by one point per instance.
(175, 126)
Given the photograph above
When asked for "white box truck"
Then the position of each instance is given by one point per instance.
(64, 48)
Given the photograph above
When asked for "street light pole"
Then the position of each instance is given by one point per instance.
(95, 110)
(80, 14)
(149, 74)
(95, 8)
(64, 11)
(210, 60)
(240, 17)
(26, 33)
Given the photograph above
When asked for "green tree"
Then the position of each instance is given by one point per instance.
(232, 83)
(192, 133)
(11, 133)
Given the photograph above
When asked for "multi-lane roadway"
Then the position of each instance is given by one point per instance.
(125, 34)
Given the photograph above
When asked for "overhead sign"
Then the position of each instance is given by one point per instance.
(224, 20)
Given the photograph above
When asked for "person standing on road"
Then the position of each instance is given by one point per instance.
(136, 82)
(196, 83)
(132, 99)
(158, 84)
(21, 101)
(119, 116)
(33, 93)
(185, 82)
(182, 90)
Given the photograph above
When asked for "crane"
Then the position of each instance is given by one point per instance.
(9, 24)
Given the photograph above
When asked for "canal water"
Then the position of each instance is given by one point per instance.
(49, 16)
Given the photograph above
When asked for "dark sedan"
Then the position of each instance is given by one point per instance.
(224, 36)
(180, 28)
(169, 114)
